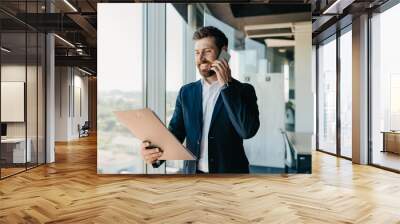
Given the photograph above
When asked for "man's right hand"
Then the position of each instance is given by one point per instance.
(150, 155)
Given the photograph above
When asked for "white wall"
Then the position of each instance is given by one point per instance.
(17, 73)
(82, 82)
(61, 103)
(68, 82)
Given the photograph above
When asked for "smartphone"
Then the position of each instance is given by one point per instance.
(222, 55)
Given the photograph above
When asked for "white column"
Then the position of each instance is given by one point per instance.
(50, 99)
(304, 80)
(360, 90)
(155, 65)
(314, 83)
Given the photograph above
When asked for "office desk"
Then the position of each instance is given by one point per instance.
(13, 150)
(391, 141)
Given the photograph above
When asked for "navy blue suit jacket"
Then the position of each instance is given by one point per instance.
(235, 117)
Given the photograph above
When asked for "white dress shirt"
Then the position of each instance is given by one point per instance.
(210, 94)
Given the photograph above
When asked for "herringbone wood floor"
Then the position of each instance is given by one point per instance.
(70, 191)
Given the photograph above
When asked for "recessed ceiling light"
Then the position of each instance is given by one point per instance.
(64, 40)
(84, 71)
(337, 7)
(70, 5)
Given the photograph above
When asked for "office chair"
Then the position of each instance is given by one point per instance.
(84, 130)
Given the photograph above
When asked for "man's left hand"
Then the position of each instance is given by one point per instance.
(222, 70)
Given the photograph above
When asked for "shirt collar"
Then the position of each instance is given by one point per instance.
(204, 83)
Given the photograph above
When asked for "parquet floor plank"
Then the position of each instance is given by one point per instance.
(70, 191)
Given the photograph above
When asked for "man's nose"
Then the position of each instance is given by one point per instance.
(202, 57)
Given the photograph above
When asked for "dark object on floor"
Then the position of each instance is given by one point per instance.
(84, 130)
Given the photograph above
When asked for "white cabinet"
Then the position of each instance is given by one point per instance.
(19, 155)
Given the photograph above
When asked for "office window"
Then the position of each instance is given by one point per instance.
(327, 96)
(385, 89)
(346, 94)
(175, 47)
(120, 85)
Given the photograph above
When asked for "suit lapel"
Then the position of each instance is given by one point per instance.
(217, 108)
(198, 102)
(218, 105)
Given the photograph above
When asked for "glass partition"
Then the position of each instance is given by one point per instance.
(23, 91)
(15, 152)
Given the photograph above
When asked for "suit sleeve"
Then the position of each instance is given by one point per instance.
(240, 101)
(176, 125)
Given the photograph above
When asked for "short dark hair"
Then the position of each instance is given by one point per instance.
(211, 31)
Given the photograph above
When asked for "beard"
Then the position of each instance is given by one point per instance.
(205, 72)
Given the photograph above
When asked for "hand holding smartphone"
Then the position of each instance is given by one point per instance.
(222, 55)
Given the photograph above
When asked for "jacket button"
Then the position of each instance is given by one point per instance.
(211, 137)
(198, 142)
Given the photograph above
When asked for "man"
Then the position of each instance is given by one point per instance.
(213, 114)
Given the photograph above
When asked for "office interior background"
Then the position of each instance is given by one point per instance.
(75, 88)
(358, 84)
(29, 103)
(328, 90)
(49, 108)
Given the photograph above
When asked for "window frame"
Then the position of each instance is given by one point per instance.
(334, 37)
(379, 10)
